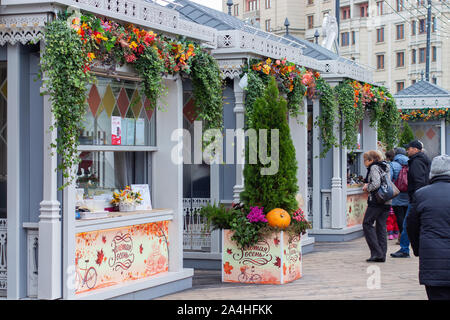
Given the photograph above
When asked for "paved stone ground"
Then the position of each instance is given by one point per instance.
(333, 271)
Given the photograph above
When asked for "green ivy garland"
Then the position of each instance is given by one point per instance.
(389, 123)
(207, 83)
(150, 68)
(351, 113)
(65, 82)
(327, 117)
(295, 98)
(256, 84)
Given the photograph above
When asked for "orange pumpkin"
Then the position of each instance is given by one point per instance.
(279, 218)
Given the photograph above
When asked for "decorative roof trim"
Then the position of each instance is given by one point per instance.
(422, 102)
(22, 28)
(138, 12)
(237, 41)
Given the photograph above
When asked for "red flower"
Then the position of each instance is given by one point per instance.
(104, 239)
(130, 58)
(229, 251)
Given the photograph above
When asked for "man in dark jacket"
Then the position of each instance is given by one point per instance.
(428, 227)
(418, 177)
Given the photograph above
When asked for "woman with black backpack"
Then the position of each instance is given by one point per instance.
(378, 212)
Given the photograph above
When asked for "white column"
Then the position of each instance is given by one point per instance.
(239, 111)
(338, 211)
(443, 141)
(336, 183)
(299, 133)
(168, 176)
(215, 198)
(50, 259)
(316, 196)
(13, 172)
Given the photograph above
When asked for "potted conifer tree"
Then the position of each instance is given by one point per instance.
(261, 235)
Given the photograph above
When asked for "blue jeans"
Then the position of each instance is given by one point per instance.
(404, 241)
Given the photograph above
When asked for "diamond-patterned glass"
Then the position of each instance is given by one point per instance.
(136, 104)
(94, 100)
(123, 102)
(109, 100)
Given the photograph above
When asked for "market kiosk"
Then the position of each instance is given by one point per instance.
(52, 252)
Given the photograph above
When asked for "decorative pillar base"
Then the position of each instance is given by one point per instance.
(237, 189)
(336, 203)
(49, 258)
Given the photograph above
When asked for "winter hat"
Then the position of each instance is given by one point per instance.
(400, 150)
(440, 166)
(415, 144)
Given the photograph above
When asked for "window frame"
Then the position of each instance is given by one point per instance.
(380, 10)
(400, 31)
(380, 35)
(267, 24)
(310, 21)
(400, 59)
(422, 23)
(380, 61)
(424, 55)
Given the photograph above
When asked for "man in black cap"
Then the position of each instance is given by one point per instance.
(418, 176)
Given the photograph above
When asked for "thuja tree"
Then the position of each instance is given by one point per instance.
(264, 186)
(407, 135)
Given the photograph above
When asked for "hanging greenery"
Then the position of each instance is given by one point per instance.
(256, 84)
(65, 80)
(76, 44)
(207, 83)
(351, 112)
(389, 123)
(327, 117)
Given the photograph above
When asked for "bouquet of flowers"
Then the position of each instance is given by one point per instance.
(126, 198)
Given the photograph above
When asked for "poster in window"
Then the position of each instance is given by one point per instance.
(140, 132)
(130, 131)
(144, 190)
(116, 131)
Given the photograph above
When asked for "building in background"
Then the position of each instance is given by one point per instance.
(389, 36)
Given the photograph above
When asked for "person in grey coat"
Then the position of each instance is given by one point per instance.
(376, 237)
(428, 228)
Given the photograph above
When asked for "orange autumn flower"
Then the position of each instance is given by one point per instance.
(91, 56)
(227, 268)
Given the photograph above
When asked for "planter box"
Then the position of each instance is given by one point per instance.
(276, 259)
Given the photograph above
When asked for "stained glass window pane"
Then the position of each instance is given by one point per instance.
(118, 113)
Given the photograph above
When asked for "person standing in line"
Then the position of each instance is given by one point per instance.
(401, 201)
(377, 213)
(428, 227)
(418, 177)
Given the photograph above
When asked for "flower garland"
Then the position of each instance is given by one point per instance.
(296, 82)
(425, 114)
(74, 45)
